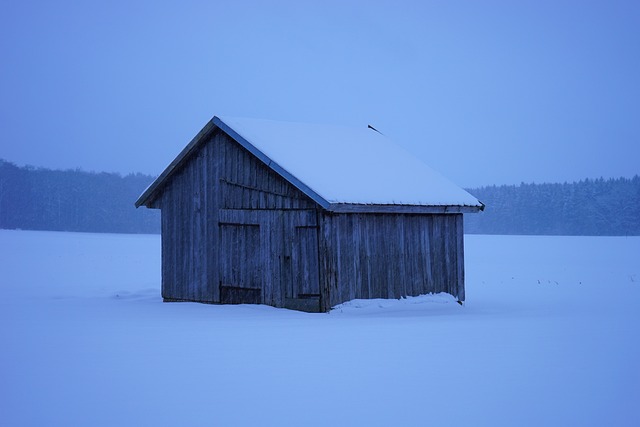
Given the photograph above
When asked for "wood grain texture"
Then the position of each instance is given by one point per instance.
(389, 256)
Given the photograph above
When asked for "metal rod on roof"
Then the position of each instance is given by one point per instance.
(371, 127)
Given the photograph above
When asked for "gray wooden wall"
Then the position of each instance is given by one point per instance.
(189, 237)
(235, 231)
(390, 255)
(230, 223)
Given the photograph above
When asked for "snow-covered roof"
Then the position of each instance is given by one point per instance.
(338, 166)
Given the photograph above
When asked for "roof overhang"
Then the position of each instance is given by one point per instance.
(149, 195)
(410, 209)
(271, 164)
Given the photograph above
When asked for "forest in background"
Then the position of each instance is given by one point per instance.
(591, 207)
(74, 200)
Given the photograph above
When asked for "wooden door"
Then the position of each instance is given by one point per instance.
(239, 262)
(304, 257)
(303, 290)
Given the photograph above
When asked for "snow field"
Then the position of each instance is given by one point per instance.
(548, 336)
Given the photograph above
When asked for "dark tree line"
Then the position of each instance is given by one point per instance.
(73, 200)
(596, 207)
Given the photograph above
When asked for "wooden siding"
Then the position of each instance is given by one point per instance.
(219, 205)
(390, 256)
(247, 183)
(189, 237)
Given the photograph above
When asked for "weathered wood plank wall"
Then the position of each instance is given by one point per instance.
(390, 256)
(228, 221)
(189, 270)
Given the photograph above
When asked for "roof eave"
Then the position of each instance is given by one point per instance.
(271, 164)
(398, 208)
(149, 194)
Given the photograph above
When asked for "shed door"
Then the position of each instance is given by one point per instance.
(303, 285)
(240, 272)
(304, 257)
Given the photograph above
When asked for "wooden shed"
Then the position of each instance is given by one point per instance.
(305, 217)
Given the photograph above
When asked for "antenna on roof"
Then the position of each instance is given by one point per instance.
(371, 127)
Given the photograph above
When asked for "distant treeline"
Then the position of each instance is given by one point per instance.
(73, 200)
(594, 207)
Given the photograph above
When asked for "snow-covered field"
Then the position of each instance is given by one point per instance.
(549, 336)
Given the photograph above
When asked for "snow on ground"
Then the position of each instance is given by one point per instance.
(548, 336)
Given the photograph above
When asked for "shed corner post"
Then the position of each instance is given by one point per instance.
(460, 256)
(325, 267)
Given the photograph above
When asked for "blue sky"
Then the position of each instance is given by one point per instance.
(484, 91)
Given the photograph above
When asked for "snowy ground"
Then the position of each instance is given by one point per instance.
(549, 336)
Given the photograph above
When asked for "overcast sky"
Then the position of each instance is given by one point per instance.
(483, 91)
